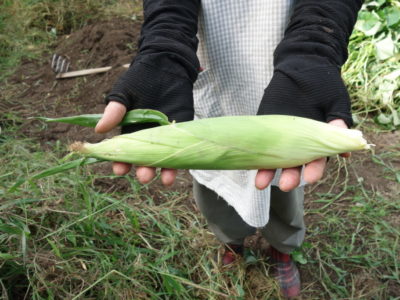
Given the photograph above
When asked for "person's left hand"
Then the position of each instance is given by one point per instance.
(290, 177)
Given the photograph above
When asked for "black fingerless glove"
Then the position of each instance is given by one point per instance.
(307, 80)
(161, 76)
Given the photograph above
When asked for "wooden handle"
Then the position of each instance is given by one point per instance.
(86, 72)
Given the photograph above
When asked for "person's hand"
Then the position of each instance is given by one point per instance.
(307, 76)
(147, 85)
(161, 76)
(290, 178)
(113, 114)
(307, 83)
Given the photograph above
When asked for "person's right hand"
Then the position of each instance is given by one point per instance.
(113, 114)
(147, 85)
(160, 77)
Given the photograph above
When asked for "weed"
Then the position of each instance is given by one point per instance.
(372, 70)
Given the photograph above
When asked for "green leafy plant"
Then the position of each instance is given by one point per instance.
(372, 70)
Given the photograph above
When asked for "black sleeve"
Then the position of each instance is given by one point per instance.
(307, 62)
(169, 35)
(162, 74)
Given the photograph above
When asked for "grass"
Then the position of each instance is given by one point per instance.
(64, 238)
(354, 241)
(77, 235)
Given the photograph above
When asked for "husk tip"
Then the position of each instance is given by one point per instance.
(77, 147)
(369, 146)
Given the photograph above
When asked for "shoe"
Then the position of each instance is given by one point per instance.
(231, 253)
(285, 272)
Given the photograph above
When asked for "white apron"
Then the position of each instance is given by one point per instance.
(237, 41)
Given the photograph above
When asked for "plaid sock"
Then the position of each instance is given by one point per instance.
(286, 273)
(231, 253)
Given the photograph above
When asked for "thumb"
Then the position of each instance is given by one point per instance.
(113, 115)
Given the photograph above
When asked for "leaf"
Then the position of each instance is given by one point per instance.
(392, 16)
(55, 170)
(132, 117)
(251, 259)
(7, 256)
(377, 3)
(385, 48)
(56, 250)
(10, 203)
(299, 257)
(386, 91)
(145, 116)
(356, 119)
(65, 167)
(398, 177)
(306, 245)
(171, 285)
(71, 237)
(395, 117)
(393, 75)
(89, 120)
(10, 229)
(369, 23)
(384, 119)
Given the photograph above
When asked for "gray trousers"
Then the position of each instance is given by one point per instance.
(285, 230)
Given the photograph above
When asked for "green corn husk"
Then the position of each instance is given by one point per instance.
(131, 117)
(228, 143)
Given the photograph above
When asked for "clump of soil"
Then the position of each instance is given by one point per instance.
(40, 94)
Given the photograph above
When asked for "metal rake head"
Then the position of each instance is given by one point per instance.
(60, 63)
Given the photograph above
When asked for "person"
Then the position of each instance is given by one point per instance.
(201, 59)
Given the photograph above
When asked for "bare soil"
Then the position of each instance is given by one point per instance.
(39, 93)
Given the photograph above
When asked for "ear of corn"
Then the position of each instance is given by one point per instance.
(224, 143)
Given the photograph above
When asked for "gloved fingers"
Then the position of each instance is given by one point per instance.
(113, 114)
(264, 178)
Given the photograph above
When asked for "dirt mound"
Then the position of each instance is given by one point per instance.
(40, 94)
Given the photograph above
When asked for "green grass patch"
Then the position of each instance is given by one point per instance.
(353, 238)
(62, 237)
(356, 241)
(74, 235)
